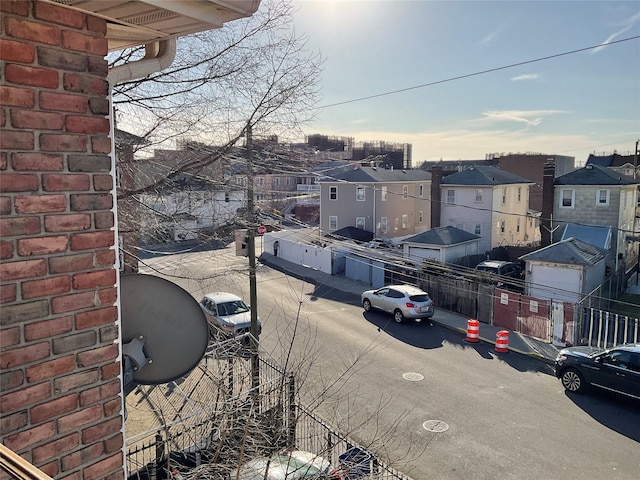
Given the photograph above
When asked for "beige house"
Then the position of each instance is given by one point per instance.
(389, 203)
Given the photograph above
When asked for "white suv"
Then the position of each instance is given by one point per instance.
(402, 301)
(228, 313)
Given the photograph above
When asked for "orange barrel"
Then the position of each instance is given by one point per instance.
(473, 331)
(502, 341)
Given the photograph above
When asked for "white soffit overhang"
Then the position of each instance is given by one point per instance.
(138, 22)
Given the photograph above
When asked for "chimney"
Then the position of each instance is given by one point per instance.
(436, 179)
(548, 176)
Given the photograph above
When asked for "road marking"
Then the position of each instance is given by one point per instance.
(437, 426)
(412, 376)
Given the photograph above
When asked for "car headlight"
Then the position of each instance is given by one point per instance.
(561, 358)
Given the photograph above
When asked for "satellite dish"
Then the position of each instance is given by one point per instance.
(164, 330)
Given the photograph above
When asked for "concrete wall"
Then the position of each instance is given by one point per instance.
(61, 406)
(284, 245)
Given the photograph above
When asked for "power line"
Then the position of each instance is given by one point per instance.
(475, 74)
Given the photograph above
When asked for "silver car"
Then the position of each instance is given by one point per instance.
(402, 301)
(228, 313)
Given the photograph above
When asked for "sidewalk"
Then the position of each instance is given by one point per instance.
(518, 343)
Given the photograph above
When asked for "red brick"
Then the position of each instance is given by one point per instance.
(14, 226)
(16, 140)
(61, 60)
(24, 311)
(100, 470)
(53, 469)
(108, 295)
(57, 142)
(98, 355)
(3, 155)
(54, 408)
(89, 163)
(36, 31)
(41, 204)
(29, 437)
(69, 303)
(78, 124)
(17, 97)
(91, 201)
(64, 102)
(39, 162)
(96, 318)
(8, 293)
(45, 287)
(36, 120)
(19, 182)
(55, 449)
(80, 457)
(105, 258)
(100, 393)
(23, 269)
(79, 419)
(24, 397)
(71, 263)
(60, 183)
(90, 85)
(9, 337)
(67, 223)
(93, 240)
(100, 106)
(97, 65)
(17, 7)
(77, 380)
(11, 380)
(59, 15)
(114, 443)
(84, 43)
(104, 220)
(101, 430)
(48, 328)
(42, 245)
(112, 407)
(102, 182)
(16, 421)
(110, 371)
(97, 25)
(17, 51)
(5, 205)
(91, 280)
(100, 144)
(24, 355)
(32, 76)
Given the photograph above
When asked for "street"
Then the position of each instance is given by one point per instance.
(419, 396)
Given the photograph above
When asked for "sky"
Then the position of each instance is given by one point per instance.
(433, 53)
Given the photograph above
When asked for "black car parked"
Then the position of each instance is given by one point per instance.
(616, 369)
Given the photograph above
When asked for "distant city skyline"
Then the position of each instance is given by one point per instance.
(460, 80)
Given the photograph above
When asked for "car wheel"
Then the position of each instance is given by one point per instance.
(572, 381)
(366, 304)
(398, 316)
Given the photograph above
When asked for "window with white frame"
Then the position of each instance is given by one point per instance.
(383, 193)
(451, 196)
(333, 222)
(405, 220)
(602, 197)
(420, 216)
(276, 181)
(478, 229)
(384, 225)
(333, 193)
(421, 191)
(405, 191)
(360, 222)
(504, 196)
(478, 195)
(360, 193)
(287, 181)
(567, 198)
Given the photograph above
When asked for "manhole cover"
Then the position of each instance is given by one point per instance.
(413, 376)
(435, 426)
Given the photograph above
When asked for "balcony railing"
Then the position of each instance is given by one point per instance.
(17, 467)
(303, 187)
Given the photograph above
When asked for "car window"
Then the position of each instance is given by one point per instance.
(422, 297)
(634, 362)
(395, 293)
(382, 291)
(618, 359)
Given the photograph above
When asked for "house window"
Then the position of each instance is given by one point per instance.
(333, 193)
(567, 198)
(384, 226)
(287, 181)
(405, 191)
(405, 220)
(518, 225)
(360, 223)
(602, 198)
(421, 191)
(276, 181)
(333, 222)
(383, 193)
(478, 230)
(501, 227)
(451, 197)
(504, 196)
(360, 193)
(478, 195)
(226, 197)
(420, 216)
(260, 181)
(519, 194)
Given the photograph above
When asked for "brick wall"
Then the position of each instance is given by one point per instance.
(61, 397)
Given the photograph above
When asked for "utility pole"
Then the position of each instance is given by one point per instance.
(251, 251)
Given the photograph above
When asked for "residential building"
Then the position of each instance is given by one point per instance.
(625, 164)
(444, 244)
(389, 203)
(599, 196)
(490, 203)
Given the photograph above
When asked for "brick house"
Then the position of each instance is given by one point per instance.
(62, 403)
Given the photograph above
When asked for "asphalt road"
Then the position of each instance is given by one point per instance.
(390, 386)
